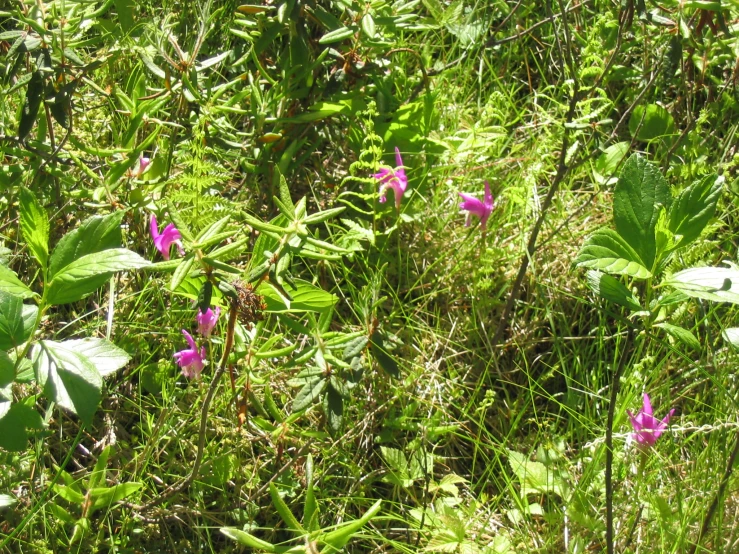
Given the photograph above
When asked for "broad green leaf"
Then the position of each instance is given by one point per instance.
(7, 370)
(103, 354)
(681, 334)
(605, 250)
(605, 166)
(7, 501)
(95, 234)
(100, 471)
(368, 25)
(34, 226)
(284, 511)
(90, 272)
(16, 321)
(719, 284)
(640, 193)
(651, 122)
(535, 477)
(339, 537)
(69, 378)
(694, 208)
(612, 289)
(182, 271)
(380, 353)
(15, 419)
(247, 539)
(305, 298)
(10, 283)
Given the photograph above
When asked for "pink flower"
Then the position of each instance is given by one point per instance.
(143, 164)
(163, 241)
(190, 360)
(479, 209)
(207, 321)
(393, 179)
(648, 428)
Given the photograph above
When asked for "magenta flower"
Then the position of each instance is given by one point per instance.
(190, 360)
(648, 428)
(480, 209)
(163, 241)
(393, 179)
(207, 321)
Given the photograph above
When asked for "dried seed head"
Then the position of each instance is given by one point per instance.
(251, 305)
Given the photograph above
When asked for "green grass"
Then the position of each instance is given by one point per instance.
(462, 405)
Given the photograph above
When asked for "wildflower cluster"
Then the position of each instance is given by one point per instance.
(396, 180)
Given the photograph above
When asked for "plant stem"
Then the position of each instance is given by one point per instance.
(615, 386)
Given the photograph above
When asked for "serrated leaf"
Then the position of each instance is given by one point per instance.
(640, 193)
(17, 321)
(612, 289)
(681, 334)
(607, 251)
(15, 420)
(90, 272)
(694, 208)
(95, 234)
(719, 284)
(10, 283)
(69, 378)
(103, 354)
(34, 225)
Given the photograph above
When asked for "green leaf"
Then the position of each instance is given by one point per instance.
(680, 334)
(310, 392)
(731, 335)
(336, 35)
(105, 496)
(612, 289)
(606, 164)
(305, 298)
(605, 250)
(34, 225)
(719, 284)
(640, 193)
(247, 539)
(333, 409)
(69, 378)
(90, 272)
(535, 477)
(339, 537)
(31, 104)
(7, 371)
(368, 25)
(16, 321)
(310, 508)
(387, 362)
(15, 419)
(656, 122)
(10, 283)
(282, 509)
(694, 208)
(182, 271)
(103, 354)
(7, 501)
(95, 234)
(323, 216)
